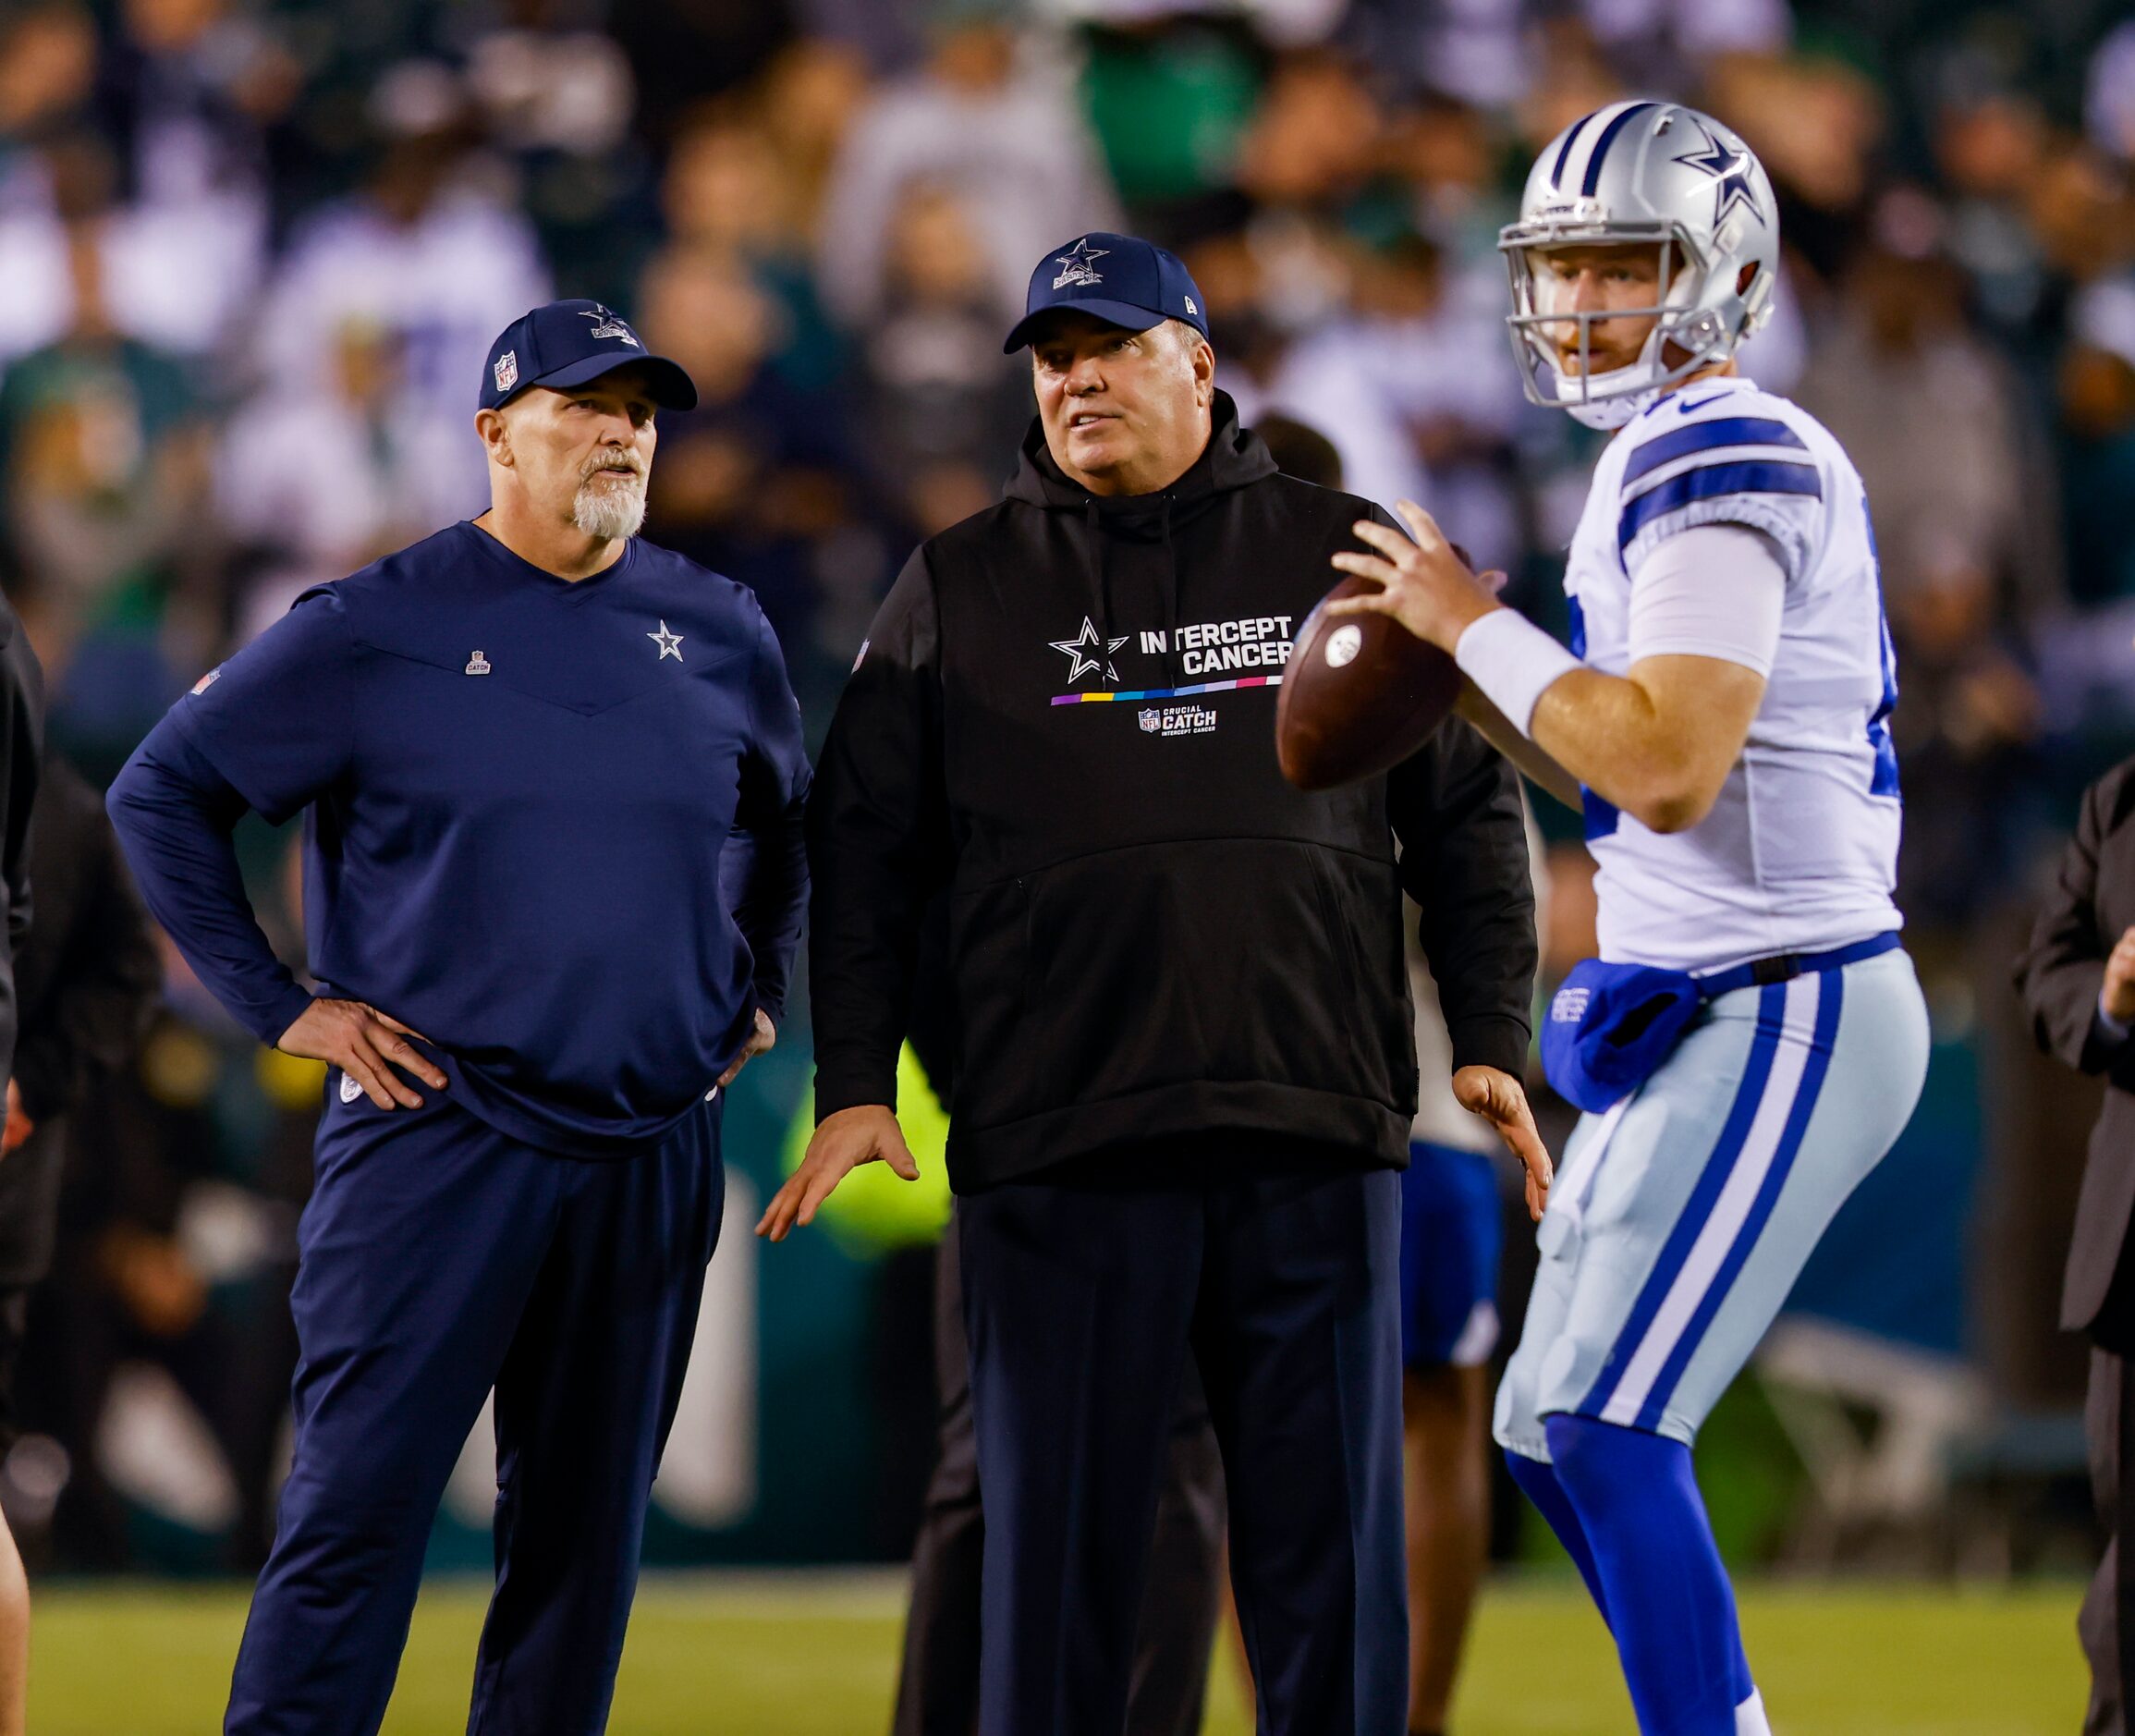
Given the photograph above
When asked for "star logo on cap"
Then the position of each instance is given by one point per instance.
(1083, 655)
(1076, 266)
(1730, 167)
(605, 324)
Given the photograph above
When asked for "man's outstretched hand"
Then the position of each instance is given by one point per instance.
(1501, 1100)
(866, 1133)
(367, 1046)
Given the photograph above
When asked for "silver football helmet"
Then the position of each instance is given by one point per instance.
(1653, 172)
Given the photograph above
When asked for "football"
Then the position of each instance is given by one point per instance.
(1360, 693)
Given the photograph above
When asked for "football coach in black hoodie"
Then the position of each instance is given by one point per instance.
(1186, 1065)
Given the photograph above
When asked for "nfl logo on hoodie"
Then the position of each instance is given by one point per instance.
(1151, 720)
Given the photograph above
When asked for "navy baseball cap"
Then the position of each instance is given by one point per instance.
(568, 343)
(1120, 278)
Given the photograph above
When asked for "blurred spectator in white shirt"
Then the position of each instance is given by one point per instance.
(997, 127)
(1419, 396)
(173, 276)
(322, 481)
(2110, 95)
(426, 253)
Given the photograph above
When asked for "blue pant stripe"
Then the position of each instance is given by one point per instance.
(1830, 995)
(1756, 1073)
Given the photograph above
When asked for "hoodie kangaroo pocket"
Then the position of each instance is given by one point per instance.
(1222, 959)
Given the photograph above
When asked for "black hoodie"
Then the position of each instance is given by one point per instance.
(1151, 931)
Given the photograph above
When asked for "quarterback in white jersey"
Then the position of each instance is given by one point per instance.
(1798, 850)
(1752, 1040)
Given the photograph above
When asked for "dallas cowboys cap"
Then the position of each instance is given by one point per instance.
(568, 343)
(1120, 278)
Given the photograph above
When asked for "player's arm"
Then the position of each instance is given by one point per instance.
(1658, 741)
(269, 733)
(764, 869)
(1456, 807)
(878, 848)
(2074, 971)
(1539, 769)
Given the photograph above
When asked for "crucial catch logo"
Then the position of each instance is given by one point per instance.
(1176, 720)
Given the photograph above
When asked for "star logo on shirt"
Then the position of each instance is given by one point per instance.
(670, 644)
(1730, 167)
(1077, 265)
(1082, 652)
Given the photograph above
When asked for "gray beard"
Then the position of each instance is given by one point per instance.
(609, 511)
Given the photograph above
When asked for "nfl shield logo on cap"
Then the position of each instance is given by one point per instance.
(507, 371)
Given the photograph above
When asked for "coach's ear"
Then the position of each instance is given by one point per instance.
(495, 435)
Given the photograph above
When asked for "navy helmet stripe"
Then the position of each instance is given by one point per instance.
(1601, 145)
(1748, 476)
(1697, 437)
(1563, 151)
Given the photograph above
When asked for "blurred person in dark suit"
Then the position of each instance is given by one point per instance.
(21, 749)
(86, 978)
(2078, 984)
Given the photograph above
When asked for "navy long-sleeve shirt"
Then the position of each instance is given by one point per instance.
(555, 827)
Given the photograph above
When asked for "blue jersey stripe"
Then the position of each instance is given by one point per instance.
(1563, 151)
(1592, 181)
(1700, 437)
(1745, 476)
(1830, 999)
(1726, 1152)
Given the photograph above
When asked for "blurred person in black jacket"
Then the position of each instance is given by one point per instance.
(21, 750)
(86, 978)
(2078, 984)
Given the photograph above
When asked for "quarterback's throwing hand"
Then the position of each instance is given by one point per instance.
(1501, 1100)
(866, 1133)
(1423, 584)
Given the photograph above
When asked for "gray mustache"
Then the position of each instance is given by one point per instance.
(612, 458)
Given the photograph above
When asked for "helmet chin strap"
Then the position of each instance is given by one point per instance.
(1609, 412)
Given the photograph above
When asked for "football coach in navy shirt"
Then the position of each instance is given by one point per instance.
(1187, 1064)
(553, 882)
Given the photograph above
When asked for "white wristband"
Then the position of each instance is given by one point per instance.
(1511, 661)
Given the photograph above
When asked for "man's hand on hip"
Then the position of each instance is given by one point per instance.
(764, 1036)
(2118, 998)
(1501, 1100)
(366, 1045)
(866, 1133)
(19, 1126)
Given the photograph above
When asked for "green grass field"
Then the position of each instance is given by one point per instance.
(790, 1654)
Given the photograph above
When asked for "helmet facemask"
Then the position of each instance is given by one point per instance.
(1684, 318)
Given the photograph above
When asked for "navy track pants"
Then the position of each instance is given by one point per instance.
(1082, 1296)
(439, 1258)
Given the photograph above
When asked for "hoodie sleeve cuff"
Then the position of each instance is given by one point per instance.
(1492, 1041)
(843, 1083)
(270, 1021)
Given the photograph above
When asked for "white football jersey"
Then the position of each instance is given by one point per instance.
(1799, 853)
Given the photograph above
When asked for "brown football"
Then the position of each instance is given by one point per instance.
(1360, 693)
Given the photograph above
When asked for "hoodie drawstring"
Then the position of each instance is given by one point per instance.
(1170, 602)
(1100, 592)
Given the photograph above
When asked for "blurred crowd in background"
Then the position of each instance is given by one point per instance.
(252, 254)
